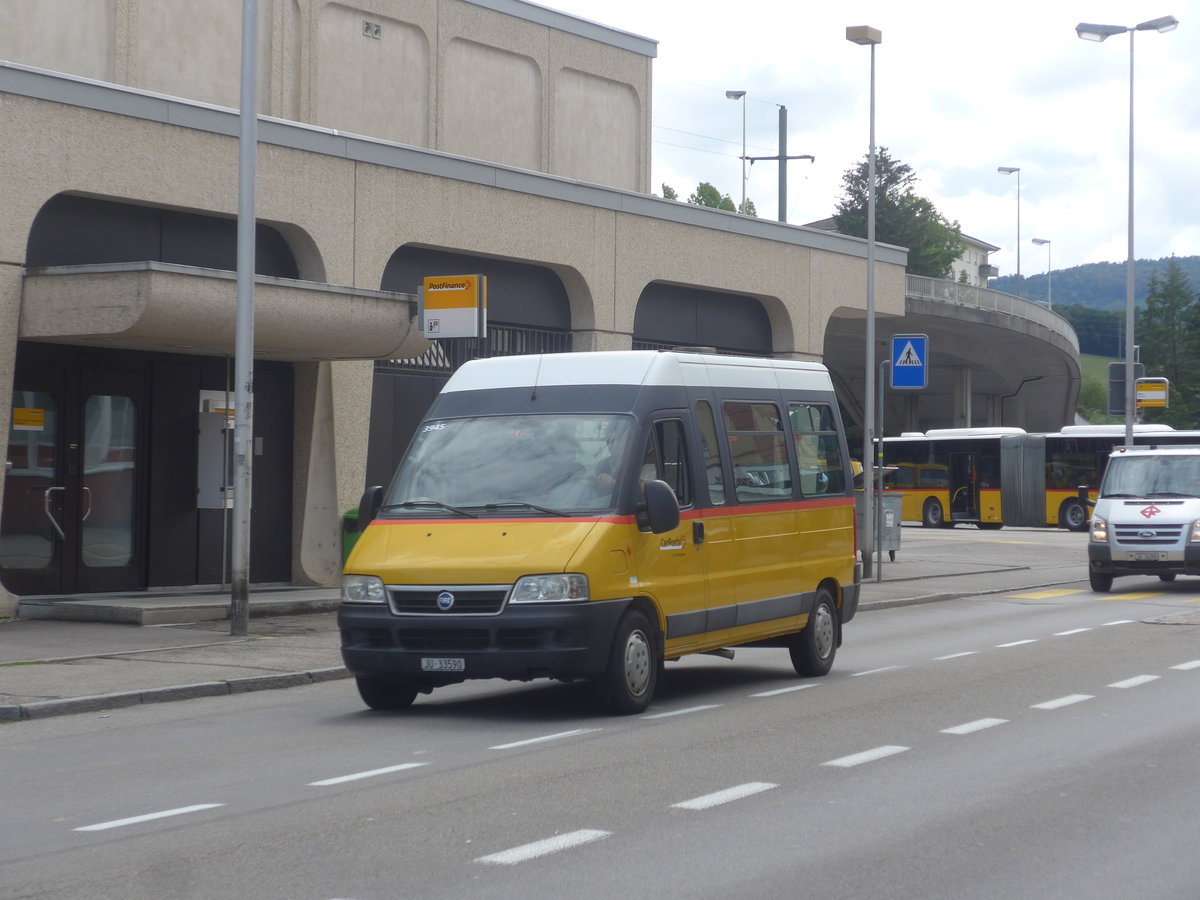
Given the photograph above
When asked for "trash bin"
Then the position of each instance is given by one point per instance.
(890, 514)
(350, 532)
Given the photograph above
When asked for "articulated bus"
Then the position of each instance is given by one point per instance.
(992, 477)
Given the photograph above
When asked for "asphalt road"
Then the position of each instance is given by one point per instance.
(1039, 743)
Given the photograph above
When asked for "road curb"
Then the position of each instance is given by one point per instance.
(43, 709)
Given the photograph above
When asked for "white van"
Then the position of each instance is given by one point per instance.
(1147, 517)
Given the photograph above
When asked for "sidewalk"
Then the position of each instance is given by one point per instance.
(53, 667)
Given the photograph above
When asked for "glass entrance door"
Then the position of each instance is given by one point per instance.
(72, 493)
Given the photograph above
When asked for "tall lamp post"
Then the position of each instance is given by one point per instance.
(1049, 284)
(1008, 170)
(741, 95)
(867, 36)
(1098, 33)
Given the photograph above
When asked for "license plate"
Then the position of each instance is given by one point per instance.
(1147, 556)
(443, 664)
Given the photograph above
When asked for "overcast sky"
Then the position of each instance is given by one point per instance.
(961, 88)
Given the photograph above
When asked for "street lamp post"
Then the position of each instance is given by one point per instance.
(1049, 284)
(867, 36)
(1008, 170)
(741, 95)
(1098, 33)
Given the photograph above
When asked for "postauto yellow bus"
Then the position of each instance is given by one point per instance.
(592, 515)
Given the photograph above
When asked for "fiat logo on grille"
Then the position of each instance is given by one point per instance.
(445, 600)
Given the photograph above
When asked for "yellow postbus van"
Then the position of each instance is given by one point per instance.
(591, 515)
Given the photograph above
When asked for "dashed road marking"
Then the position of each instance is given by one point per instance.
(544, 848)
(1042, 595)
(1072, 631)
(857, 759)
(786, 690)
(972, 727)
(1183, 667)
(876, 671)
(1060, 702)
(149, 817)
(1017, 643)
(726, 796)
(387, 770)
(546, 737)
(955, 655)
(1135, 681)
(682, 712)
(1118, 622)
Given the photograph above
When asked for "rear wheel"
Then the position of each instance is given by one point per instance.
(1072, 515)
(627, 685)
(1167, 576)
(932, 515)
(813, 649)
(384, 695)
(1100, 582)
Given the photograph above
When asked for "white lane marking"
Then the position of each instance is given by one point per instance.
(955, 655)
(1118, 622)
(544, 848)
(545, 737)
(876, 671)
(1184, 667)
(786, 690)
(1135, 681)
(857, 759)
(682, 712)
(1072, 631)
(148, 817)
(971, 727)
(1062, 701)
(340, 779)
(1017, 643)
(726, 796)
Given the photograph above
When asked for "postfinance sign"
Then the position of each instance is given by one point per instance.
(454, 306)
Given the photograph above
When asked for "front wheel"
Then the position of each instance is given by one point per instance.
(812, 650)
(1073, 516)
(384, 695)
(628, 683)
(932, 515)
(1100, 582)
(1167, 576)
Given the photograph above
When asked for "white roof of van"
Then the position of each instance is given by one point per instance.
(630, 367)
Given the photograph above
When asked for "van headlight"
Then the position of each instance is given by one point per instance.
(1099, 530)
(1194, 536)
(363, 589)
(550, 589)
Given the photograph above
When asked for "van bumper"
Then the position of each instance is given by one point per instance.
(1100, 560)
(562, 641)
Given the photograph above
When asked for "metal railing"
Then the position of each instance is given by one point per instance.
(502, 340)
(944, 291)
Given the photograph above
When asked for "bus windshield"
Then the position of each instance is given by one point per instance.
(518, 464)
(1169, 475)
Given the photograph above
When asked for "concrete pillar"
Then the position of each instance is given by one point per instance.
(962, 397)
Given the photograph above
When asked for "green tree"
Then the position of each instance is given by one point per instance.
(707, 195)
(1170, 348)
(901, 216)
(669, 192)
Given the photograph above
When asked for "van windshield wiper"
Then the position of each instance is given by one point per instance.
(414, 504)
(1170, 494)
(543, 509)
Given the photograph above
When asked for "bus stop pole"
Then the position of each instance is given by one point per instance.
(878, 498)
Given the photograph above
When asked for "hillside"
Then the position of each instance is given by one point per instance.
(1097, 285)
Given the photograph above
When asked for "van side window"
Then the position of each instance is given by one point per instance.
(665, 458)
(710, 450)
(818, 450)
(758, 449)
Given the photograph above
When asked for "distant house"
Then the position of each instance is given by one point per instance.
(970, 268)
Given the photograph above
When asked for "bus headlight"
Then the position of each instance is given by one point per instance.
(550, 589)
(1099, 530)
(363, 589)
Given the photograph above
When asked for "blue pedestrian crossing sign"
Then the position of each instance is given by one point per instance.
(910, 356)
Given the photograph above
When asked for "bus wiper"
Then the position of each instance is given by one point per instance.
(413, 504)
(499, 503)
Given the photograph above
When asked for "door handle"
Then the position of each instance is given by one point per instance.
(697, 533)
(49, 515)
(87, 492)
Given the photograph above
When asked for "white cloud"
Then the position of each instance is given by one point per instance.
(960, 90)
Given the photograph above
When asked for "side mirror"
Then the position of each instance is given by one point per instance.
(368, 506)
(662, 508)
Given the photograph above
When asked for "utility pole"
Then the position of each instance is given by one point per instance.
(782, 159)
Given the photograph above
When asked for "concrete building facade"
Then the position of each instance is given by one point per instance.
(397, 137)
